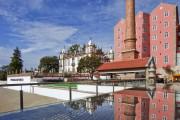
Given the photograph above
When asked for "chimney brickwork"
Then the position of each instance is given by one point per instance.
(130, 52)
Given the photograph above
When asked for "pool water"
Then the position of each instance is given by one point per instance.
(94, 108)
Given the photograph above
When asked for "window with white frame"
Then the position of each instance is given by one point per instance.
(154, 48)
(153, 116)
(165, 95)
(153, 106)
(166, 34)
(166, 24)
(166, 13)
(154, 27)
(155, 18)
(154, 37)
(166, 59)
(165, 108)
(120, 100)
(164, 118)
(166, 45)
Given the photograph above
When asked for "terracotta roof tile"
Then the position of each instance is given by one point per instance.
(120, 65)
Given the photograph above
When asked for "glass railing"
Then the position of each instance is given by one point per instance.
(109, 106)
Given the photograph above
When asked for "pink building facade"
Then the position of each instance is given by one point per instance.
(157, 35)
(144, 105)
(162, 105)
(142, 35)
(131, 105)
(163, 32)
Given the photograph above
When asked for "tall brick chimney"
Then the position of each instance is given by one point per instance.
(130, 52)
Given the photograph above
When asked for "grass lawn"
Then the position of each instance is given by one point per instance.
(63, 85)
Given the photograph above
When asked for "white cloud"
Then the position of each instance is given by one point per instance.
(40, 36)
(36, 36)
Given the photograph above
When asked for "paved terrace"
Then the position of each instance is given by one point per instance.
(10, 100)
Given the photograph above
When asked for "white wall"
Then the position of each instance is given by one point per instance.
(3, 82)
(49, 92)
(101, 89)
(20, 80)
(60, 93)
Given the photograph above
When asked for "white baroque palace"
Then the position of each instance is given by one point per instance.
(69, 62)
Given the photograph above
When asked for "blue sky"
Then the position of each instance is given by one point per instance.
(43, 27)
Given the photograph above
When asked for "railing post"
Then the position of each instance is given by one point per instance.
(21, 100)
(113, 87)
(124, 84)
(97, 88)
(139, 82)
(70, 93)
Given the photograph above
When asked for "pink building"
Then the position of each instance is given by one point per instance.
(140, 104)
(157, 35)
(131, 105)
(162, 104)
(164, 23)
(119, 37)
(142, 35)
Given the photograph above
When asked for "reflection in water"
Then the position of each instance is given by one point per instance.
(140, 104)
(94, 108)
(134, 104)
(91, 104)
(163, 103)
